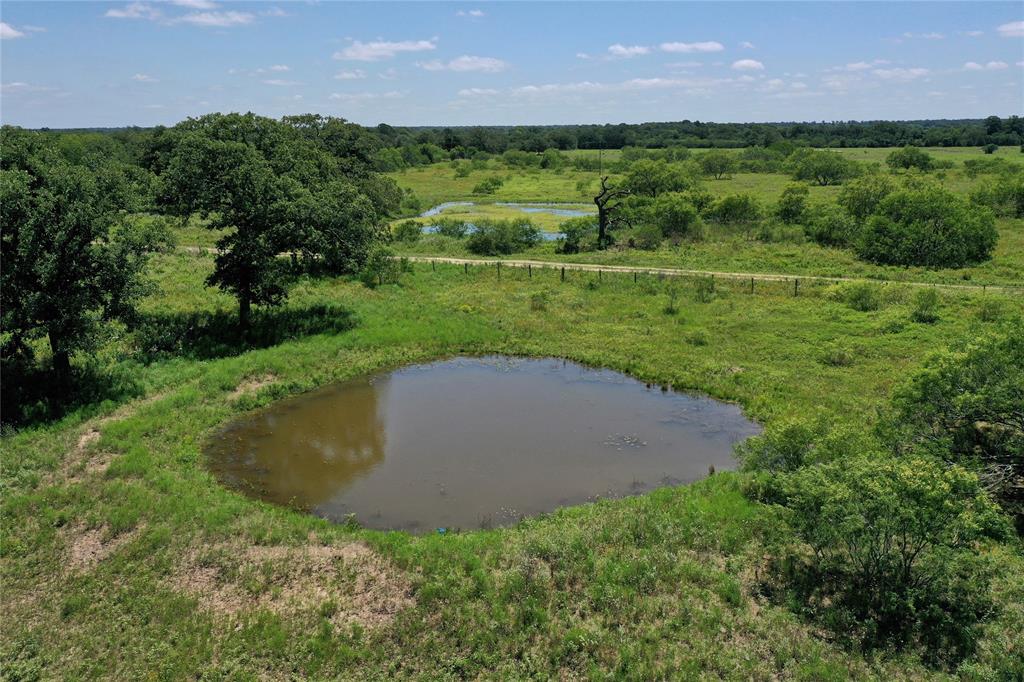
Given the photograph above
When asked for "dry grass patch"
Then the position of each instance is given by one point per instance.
(349, 584)
(251, 385)
(89, 546)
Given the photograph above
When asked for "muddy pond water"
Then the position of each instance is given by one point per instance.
(473, 442)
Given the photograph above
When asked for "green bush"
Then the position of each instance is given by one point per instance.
(792, 204)
(930, 226)
(821, 167)
(646, 237)
(990, 148)
(863, 296)
(910, 157)
(502, 237)
(675, 216)
(965, 406)
(407, 231)
(831, 226)
(795, 442)
(451, 227)
(578, 232)
(926, 306)
(887, 552)
(488, 185)
(737, 209)
(717, 163)
(382, 268)
(1005, 196)
(861, 196)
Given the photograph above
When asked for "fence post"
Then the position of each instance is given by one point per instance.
(563, 273)
(796, 287)
(712, 282)
(529, 269)
(432, 268)
(498, 267)
(598, 275)
(465, 268)
(634, 277)
(751, 285)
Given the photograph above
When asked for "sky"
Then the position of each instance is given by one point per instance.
(93, 64)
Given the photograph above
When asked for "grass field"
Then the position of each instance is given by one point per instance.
(724, 249)
(124, 559)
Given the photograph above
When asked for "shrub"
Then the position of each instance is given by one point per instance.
(647, 237)
(838, 356)
(675, 216)
(491, 238)
(910, 157)
(717, 163)
(861, 196)
(698, 338)
(737, 209)
(382, 268)
(964, 406)
(863, 296)
(451, 227)
(488, 185)
(931, 227)
(651, 178)
(926, 306)
(821, 167)
(792, 204)
(891, 552)
(407, 231)
(990, 148)
(704, 289)
(990, 310)
(1005, 196)
(539, 301)
(831, 226)
(577, 231)
(796, 442)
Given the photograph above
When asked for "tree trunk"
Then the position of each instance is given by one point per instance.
(244, 314)
(61, 357)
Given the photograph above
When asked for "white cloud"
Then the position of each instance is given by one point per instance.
(748, 65)
(280, 67)
(21, 86)
(217, 19)
(747, 45)
(8, 32)
(195, 4)
(477, 92)
(990, 66)
(465, 63)
(619, 50)
(473, 13)
(383, 49)
(281, 83)
(144, 78)
(707, 46)
(1014, 29)
(273, 12)
(355, 74)
(901, 74)
(926, 36)
(364, 96)
(134, 10)
(582, 55)
(974, 34)
(388, 74)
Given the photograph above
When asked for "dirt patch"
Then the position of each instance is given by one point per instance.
(349, 584)
(89, 546)
(251, 385)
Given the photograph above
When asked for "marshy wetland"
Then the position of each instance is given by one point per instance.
(474, 442)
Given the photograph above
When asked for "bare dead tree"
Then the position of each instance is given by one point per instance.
(608, 201)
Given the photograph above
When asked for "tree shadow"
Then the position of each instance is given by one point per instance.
(33, 395)
(210, 335)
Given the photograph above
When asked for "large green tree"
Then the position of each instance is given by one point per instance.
(72, 256)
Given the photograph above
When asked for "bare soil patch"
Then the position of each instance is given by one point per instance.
(251, 385)
(349, 584)
(89, 546)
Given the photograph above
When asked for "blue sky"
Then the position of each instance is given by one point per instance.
(67, 64)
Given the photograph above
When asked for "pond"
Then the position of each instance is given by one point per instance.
(561, 210)
(473, 442)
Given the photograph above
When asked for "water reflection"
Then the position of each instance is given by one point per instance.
(474, 442)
